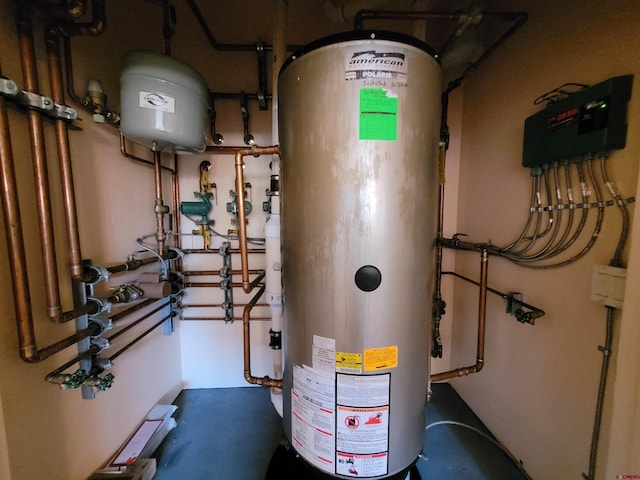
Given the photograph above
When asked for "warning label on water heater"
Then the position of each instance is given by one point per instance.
(371, 64)
(362, 424)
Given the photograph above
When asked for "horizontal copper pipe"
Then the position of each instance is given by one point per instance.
(138, 321)
(141, 336)
(231, 250)
(482, 315)
(265, 381)
(218, 305)
(206, 319)
(210, 284)
(133, 308)
(195, 273)
(125, 153)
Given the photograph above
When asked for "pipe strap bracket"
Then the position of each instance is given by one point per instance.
(38, 103)
(8, 87)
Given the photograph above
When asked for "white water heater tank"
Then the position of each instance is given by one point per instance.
(164, 103)
(359, 122)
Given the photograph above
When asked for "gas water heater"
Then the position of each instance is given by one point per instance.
(359, 120)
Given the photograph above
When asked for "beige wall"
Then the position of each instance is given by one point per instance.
(538, 390)
(50, 433)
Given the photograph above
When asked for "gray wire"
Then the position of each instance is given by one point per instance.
(482, 434)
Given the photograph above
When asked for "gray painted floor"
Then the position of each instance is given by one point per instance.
(233, 434)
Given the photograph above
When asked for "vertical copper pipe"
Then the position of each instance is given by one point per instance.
(38, 153)
(15, 241)
(160, 209)
(265, 381)
(242, 218)
(482, 316)
(64, 156)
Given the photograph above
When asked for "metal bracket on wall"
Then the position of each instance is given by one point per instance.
(33, 101)
(226, 283)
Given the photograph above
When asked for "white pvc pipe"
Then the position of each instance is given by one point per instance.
(273, 287)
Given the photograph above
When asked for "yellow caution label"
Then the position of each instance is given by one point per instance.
(345, 360)
(380, 358)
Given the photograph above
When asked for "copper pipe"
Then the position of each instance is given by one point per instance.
(482, 316)
(247, 286)
(213, 305)
(217, 272)
(265, 381)
(15, 241)
(175, 190)
(64, 156)
(207, 319)
(123, 151)
(111, 116)
(123, 330)
(75, 9)
(133, 308)
(141, 336)
(41, 174)
(38, 153)
(96, 26)
(210, 284)
(231, 250)
(159, 207)
(224, 150)
(535, 312)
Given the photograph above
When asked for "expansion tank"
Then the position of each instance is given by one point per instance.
(359, 119)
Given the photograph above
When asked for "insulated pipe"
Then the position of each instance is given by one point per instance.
(482, 315)
(264, 381)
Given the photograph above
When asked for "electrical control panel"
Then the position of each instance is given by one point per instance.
(589, 122)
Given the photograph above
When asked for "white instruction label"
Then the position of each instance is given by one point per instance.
(313, 416)
(157, 101)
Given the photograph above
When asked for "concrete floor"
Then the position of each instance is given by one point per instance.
(234, 433)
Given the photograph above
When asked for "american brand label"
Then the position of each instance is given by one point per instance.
(371, 64)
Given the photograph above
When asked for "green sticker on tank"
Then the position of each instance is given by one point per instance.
(378, 114)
